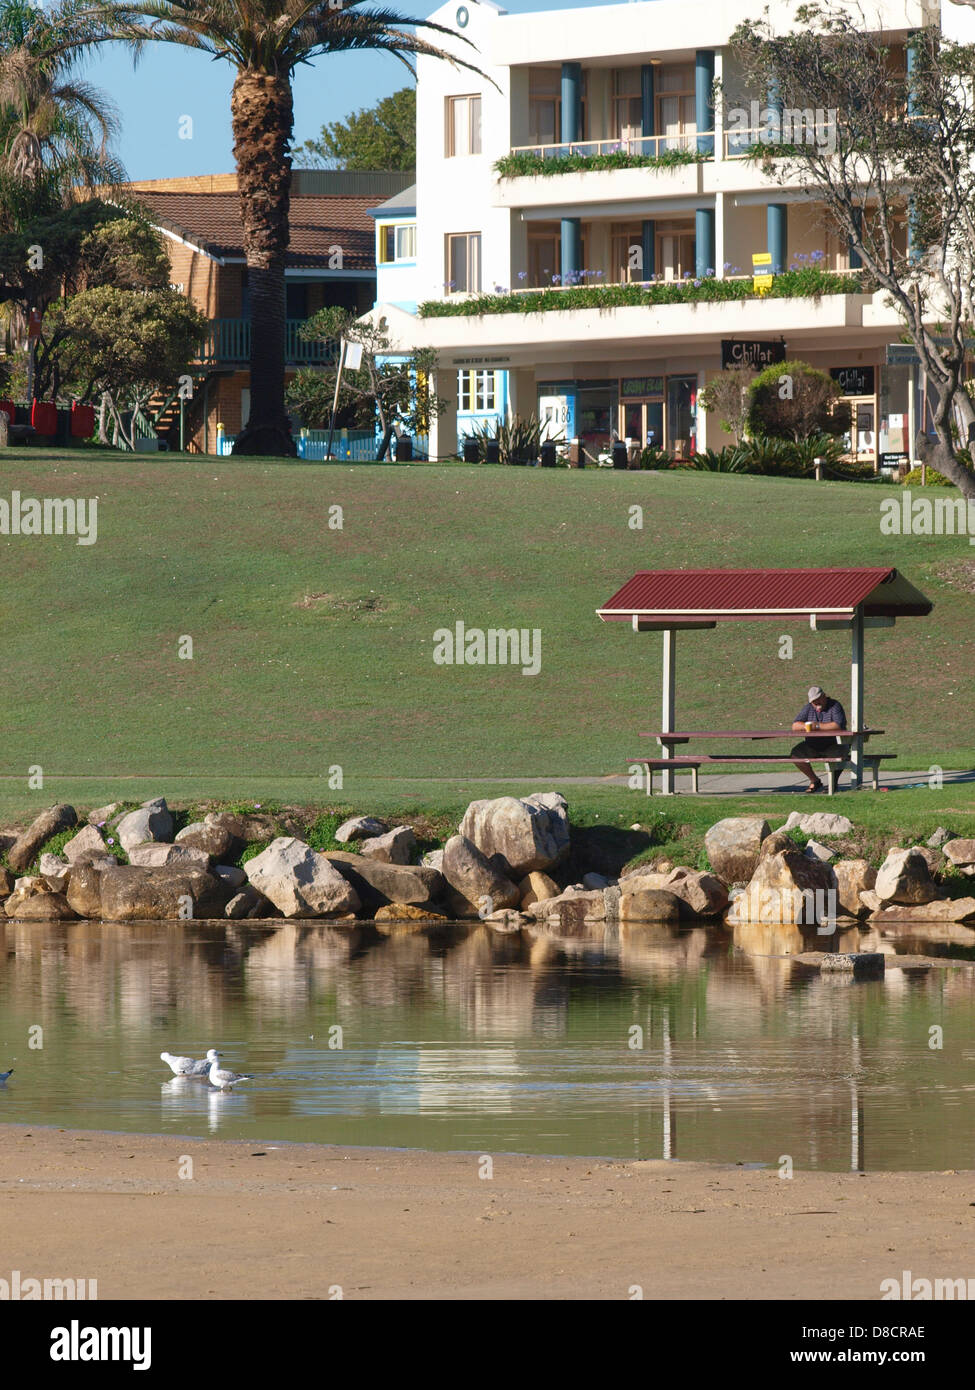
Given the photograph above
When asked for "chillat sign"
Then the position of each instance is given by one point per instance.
(853, 381)
(736, 353)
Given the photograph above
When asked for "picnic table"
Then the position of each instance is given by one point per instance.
(836, 762)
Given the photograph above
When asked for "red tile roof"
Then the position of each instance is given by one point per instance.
(212, 222)
(737, 595)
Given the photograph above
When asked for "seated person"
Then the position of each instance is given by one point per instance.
(822, 713)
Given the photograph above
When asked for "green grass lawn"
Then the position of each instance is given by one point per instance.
(313, 646)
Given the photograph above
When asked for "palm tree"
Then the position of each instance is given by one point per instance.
(265, 40)
(55, 130)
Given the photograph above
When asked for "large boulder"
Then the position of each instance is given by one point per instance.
(942, 910)
(819, 823)
(959, 852)
(87, 844)
(641, 904)
(853, 877)
(54, 871)
(6, 882)
(249, 902)
(38, 907)
(537, 887)
(571, 913)
(702, 893)
(904, 877)
(153, 856)
(528, 833)
(733, 846)
(151, 821)
(129, 893)
(23, 852)
(300, 881)
(788, 888)
(230, 875)
(407, 912)
(397, 846)
(475, 877)
(84, 890)
(360, 828)
(379, 884)
(101, 814)
(776, 842)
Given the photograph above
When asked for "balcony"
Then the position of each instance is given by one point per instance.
(228, 343)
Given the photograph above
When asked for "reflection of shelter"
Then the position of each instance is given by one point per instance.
(831, 600)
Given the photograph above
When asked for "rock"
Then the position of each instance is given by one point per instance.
(407, 912)
(869, 900)
(84, 890)
(30, 883)
(777, 842)
(101, 814)
(932, 857)
(571, 912)
(151, 821)
(788, 888)
(476, 877)
(155, 856)
(960, 852)
(859, 964)
(939, 838)
(641, 904)
(942, 910)
(300, 882)
(507, 921)
(55, 872)
(360, 828)
(130, 893)
(230, 875)
(378, 883)
(819, 823)
(220, 834)
(814, 850)
(39, 907)
(537, 887)
(397, 846)
(733, 847)
(702, 894)
(903, 877)
(853, 877)
(6, 882)
(88, 843)
(249, 902)
(433, 859)
(24, 850)
(528, 833)
(595, 881)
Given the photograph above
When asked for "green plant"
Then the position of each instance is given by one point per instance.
(792, 400)
(321, 833)
(518, 439)
(931, 478)
(653, 457)
(732, 459)
(527, 162)
(255, 848)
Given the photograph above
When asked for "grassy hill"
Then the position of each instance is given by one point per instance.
(313, 646)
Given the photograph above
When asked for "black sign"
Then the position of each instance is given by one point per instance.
(853, 381)
(890, 460)
(737, 353)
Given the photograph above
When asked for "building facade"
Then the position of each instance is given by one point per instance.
(560, 88)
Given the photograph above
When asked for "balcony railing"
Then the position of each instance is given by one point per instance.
(687, 142)
(228, 341)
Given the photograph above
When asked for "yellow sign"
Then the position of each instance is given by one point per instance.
(762, 276)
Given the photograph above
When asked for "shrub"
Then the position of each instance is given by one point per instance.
(527, 162)
(934, 478)
(792, 400)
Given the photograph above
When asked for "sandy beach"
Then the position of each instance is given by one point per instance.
(308, 1221)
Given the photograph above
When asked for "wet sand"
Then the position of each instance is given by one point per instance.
(304, 1221)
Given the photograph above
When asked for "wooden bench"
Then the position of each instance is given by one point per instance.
(836, 764)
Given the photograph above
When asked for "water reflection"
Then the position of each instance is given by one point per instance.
(650, 1041)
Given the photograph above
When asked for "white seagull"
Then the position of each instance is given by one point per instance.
(218, 1077)
(185, 1066)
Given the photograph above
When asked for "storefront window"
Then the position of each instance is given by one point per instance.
(682, 415)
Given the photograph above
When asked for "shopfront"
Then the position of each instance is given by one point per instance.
(646, 410)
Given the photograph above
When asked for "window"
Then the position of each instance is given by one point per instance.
(627, 243)
(463, 125)
(544, 106)
(463, 263)
(296, 301)
(627, 104)
(397, 243)
(476, 391)
(676, 112)
(675, 250)
(544, 255)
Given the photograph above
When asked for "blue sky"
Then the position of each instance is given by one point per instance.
(171, 83)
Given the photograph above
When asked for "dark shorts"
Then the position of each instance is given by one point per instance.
(816, 748)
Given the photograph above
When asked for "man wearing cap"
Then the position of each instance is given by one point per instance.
(824, 714)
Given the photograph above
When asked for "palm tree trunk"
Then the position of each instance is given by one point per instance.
(262, 111)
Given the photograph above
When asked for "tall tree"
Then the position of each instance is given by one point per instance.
(891, 162)
(375, 137)
(264, 40)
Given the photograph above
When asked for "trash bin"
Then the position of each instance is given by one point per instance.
(492, 451)
(472, 451)
(548, 455)
(404, 449)
(619, 455)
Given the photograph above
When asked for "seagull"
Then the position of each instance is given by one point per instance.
(4, 1075)
(185, 1066)
(219, 1077)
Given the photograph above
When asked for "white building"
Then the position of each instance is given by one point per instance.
(639, 78)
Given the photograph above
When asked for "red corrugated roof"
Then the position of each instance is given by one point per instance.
(730, 595)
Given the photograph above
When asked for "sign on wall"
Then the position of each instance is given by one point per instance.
(737, 353)
(854, 381)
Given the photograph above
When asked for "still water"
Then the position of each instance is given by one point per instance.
(654, 1043)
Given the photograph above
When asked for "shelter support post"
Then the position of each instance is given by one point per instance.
(856, 698)
(667, 711)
